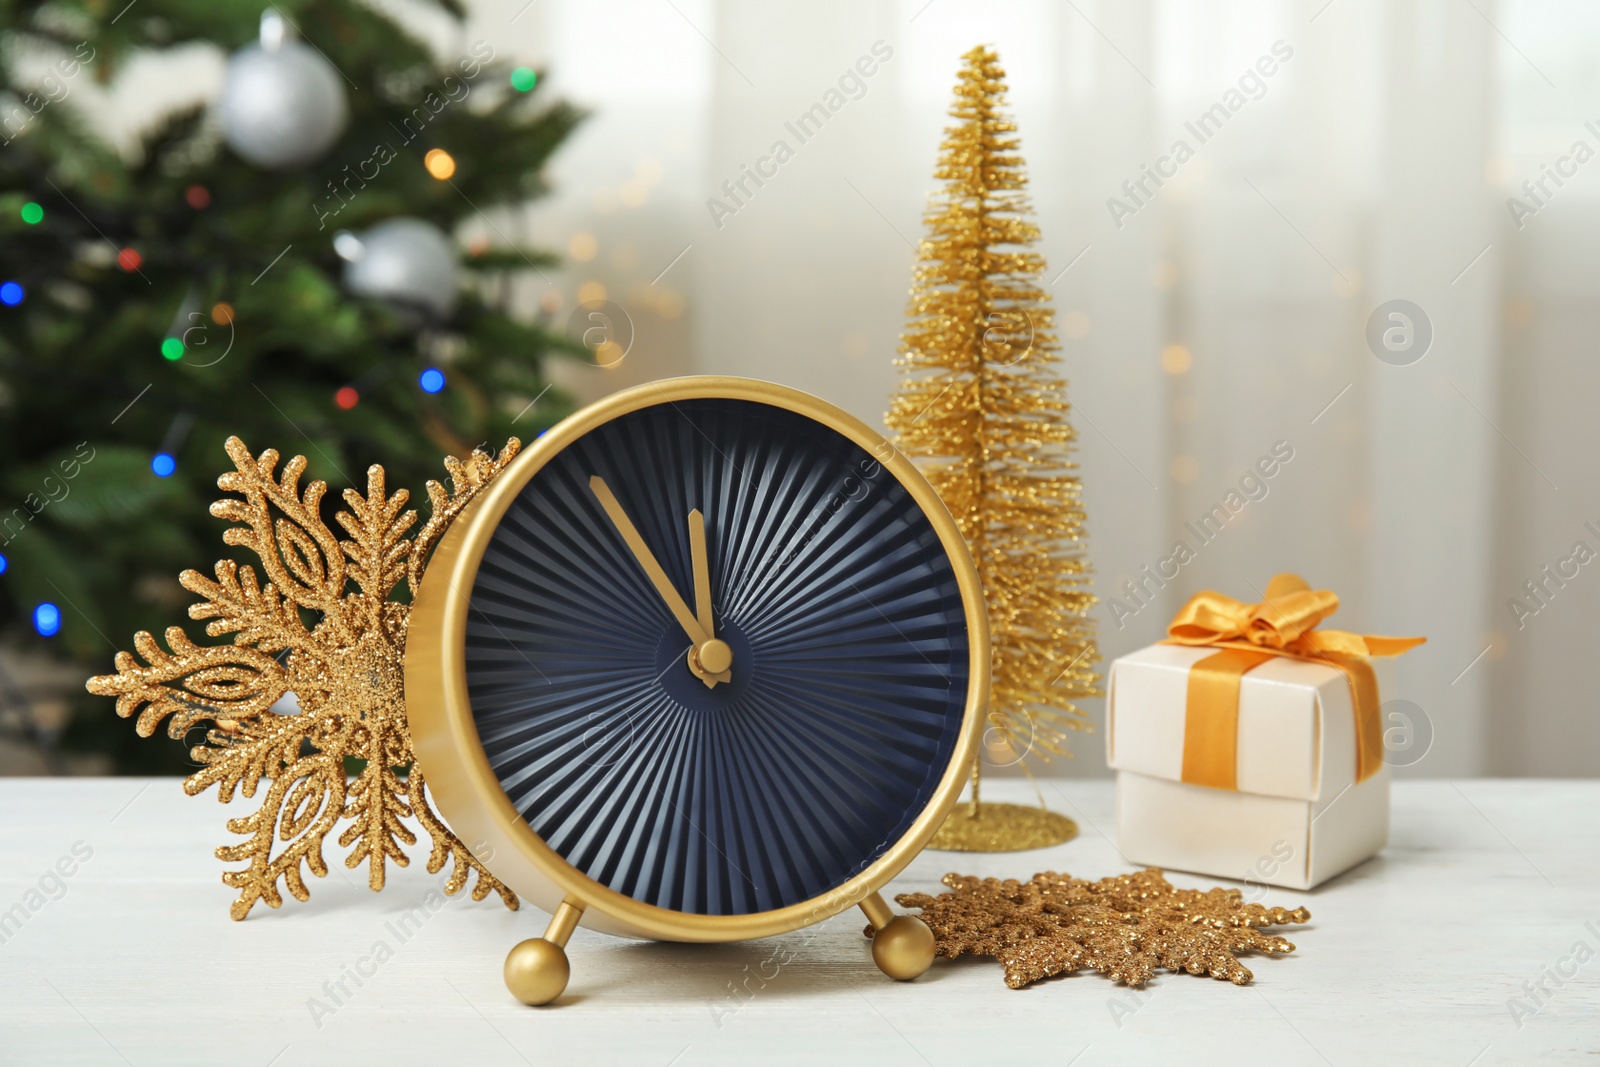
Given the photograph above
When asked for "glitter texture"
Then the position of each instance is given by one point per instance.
(1126, 926)
(324, 628)
(983, 413)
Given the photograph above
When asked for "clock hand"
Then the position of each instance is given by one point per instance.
(647, 560)
(703, 642)
(716, 657)
(702, 572)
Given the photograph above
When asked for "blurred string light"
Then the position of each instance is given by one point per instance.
(198, 197)
(129, 259)
(164, 463)
(3, 563)
(524, 79)
(11, 294)
(47, 619)
(347, 397)
(583, 246)
(1075, 324)
(222, 313)
(32, 213)
(440, 163)
(172, 348)
(431, 380)
(1176, 359)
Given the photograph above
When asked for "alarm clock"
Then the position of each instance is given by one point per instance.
(705, 662)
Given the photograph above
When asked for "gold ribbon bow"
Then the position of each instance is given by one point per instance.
(1248, 635)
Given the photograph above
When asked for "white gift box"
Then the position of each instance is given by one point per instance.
(1298, 817)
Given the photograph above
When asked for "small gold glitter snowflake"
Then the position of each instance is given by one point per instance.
(1124, 926)
(323, 628)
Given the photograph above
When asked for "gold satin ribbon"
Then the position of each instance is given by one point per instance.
(1248, 635)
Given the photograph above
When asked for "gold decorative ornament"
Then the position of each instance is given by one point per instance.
(706, 662)
(1126, 926)
(982, 410)
(323, 627)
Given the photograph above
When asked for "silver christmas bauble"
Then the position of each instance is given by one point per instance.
(408, 262)
(282, 106)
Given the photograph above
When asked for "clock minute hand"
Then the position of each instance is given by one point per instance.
(702, 571)
(647, 560)
(715, 656)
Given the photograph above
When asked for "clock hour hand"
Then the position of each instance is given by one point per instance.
(703, 643)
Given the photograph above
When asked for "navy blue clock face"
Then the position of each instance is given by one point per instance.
(599, 700)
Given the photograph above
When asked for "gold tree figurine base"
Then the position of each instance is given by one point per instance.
(988, 827)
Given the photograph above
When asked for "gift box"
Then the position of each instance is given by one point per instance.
(1248, 745)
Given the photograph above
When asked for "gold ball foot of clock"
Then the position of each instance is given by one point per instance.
(903, 950)
(902, 945)
(537, 969)
(1002, 828)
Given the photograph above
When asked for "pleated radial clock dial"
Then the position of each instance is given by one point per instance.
(707, 662)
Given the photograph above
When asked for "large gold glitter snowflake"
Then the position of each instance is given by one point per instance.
(1124, 926)
(324, 628)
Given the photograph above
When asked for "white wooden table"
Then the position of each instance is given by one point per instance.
(1415, 957)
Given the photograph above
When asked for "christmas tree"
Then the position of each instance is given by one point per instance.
(275, 264)
(982, 410)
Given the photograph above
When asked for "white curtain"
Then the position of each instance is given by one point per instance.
(1340, 155)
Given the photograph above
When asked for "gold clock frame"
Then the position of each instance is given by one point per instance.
(469, 794)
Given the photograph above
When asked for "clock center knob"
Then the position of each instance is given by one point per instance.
(715, 656)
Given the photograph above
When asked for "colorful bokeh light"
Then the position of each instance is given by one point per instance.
(47, 619)
(440, 163)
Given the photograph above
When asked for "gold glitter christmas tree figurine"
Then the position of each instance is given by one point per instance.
(982, 411)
